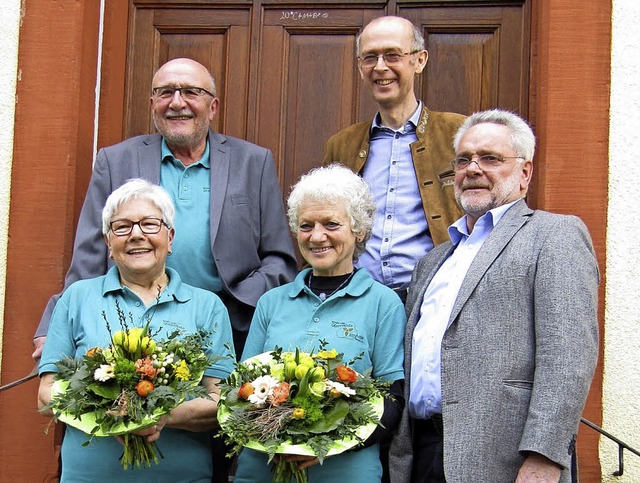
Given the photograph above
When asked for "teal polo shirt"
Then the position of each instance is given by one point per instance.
(363, 317)
(77, 325)
(189, 188)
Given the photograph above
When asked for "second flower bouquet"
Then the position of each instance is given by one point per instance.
(299, 403)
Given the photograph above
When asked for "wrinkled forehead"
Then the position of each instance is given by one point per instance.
(386, 35)
(486, 137)
(180, 74)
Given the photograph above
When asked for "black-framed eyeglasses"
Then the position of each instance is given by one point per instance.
(389, 58)
(189, 92)
(485, 162)
(148, 226)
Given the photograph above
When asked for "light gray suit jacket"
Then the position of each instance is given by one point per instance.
(519, 351)
(250, 238)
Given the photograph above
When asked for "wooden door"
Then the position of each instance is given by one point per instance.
(288, 79)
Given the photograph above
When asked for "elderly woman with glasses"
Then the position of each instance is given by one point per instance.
(137, 222)
(331, 214)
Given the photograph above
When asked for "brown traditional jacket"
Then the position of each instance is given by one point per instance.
(431, 153)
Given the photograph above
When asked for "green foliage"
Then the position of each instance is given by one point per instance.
(318, 412)
(125, 371)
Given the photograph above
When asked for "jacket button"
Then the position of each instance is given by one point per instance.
(362, 154)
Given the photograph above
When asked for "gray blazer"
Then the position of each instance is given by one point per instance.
(519, 351)
(250, 238)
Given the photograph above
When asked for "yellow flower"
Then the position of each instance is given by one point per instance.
(298, 413)
(182, 371)
(332, 354)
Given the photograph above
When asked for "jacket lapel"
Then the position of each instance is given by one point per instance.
(507, 227)
(220, 158)
(149, 152)
(423, 277)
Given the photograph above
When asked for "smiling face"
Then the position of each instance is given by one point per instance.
(325, 238)
(392, 87)
(139, 256)
(479, 191)
(183, 123)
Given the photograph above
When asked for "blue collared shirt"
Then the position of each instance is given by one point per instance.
(425, 398)
(189, 189)
(400, 235)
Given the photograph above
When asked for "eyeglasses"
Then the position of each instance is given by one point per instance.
(389, 58)
(485, 162)
(148, 226)
(189, 93)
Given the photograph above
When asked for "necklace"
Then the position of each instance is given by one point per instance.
(321, 285)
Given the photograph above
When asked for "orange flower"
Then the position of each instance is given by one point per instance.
(245, 390)
(93, 351)
(145, 368)
(144, 388)
(280, 393)
(346, 374)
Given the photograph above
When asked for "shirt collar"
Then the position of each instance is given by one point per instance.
(176, 290)
(409, 125)
(168, 155)
(360, 282)
(458, 230)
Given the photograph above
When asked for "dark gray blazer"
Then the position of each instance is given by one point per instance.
(250, 238)
(519, 351)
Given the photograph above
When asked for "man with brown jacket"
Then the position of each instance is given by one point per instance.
(404, 154)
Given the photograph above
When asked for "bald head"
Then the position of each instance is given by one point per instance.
(390, 25)
(184, 71)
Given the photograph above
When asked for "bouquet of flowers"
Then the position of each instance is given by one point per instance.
(129, 385)
(299, 403)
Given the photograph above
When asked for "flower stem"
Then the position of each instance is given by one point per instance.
(138, 452)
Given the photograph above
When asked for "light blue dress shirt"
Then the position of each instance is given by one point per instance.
(189, 188)
(425, 398)
(400, 235)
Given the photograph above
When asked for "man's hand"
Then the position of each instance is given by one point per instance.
(538, 469)
(38, 344)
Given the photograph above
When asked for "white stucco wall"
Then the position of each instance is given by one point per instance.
(621, 391)
(10, 21)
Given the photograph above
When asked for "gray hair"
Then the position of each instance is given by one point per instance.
(418, 38)
(138, 189)
(523, 141)
(335, 184)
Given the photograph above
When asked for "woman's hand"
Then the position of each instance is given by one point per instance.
(304, 462)
(44, 393)
(152, 433)
(198, 414)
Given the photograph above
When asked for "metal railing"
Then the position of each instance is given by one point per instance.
(28, 377)
(621, 445)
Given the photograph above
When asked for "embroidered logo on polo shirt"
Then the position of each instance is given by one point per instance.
(347, 330)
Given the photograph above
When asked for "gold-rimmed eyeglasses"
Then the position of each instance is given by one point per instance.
(189, 92)
(484, 162)
(389, 58)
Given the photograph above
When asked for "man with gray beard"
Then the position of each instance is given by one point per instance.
(502, 334)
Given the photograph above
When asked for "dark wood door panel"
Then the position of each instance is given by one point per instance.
(308, 84)
(217, 38)
(313, 76)
(478, 56)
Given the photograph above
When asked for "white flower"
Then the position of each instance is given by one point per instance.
(341, 388)
(262, 389)
(104, 373)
